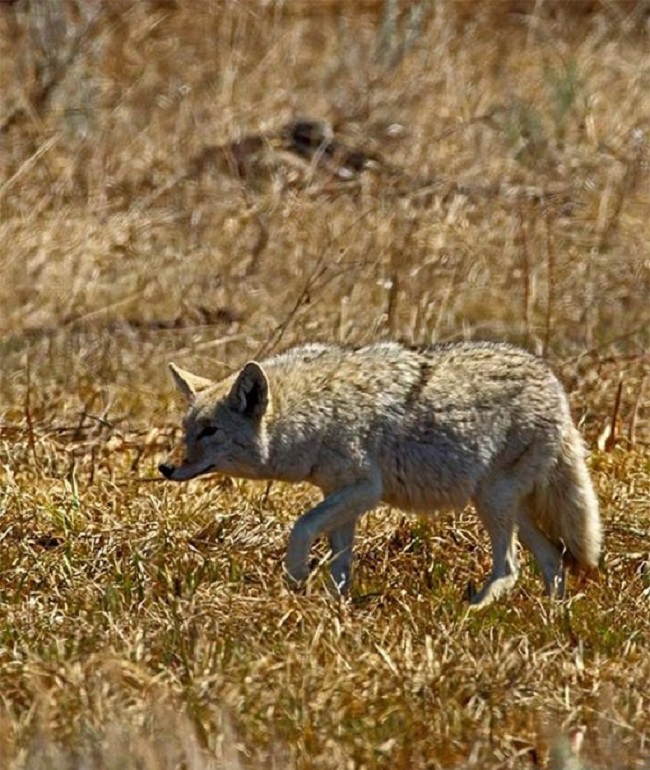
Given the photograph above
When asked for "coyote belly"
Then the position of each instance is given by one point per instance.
(419, 429)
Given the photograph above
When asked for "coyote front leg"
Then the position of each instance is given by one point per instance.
(336, 516)
(341, 543)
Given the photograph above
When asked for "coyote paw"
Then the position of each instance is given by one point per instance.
(296, 577)
(492, 590)
(339, 584)
(556, 587)
(295, 586)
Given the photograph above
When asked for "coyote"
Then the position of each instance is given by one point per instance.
(419, 429)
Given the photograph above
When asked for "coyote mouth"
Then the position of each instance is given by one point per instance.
(184, 472)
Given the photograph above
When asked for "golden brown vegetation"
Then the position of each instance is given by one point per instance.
(482, 170)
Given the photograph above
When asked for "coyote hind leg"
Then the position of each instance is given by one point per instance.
(547, 556)
(497, 506)
(505, 568)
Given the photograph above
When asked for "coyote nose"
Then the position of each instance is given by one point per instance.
(166, 470)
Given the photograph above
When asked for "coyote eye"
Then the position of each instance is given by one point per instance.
(207, 431)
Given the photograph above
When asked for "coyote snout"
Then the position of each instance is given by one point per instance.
(184, 472)
(417, 429)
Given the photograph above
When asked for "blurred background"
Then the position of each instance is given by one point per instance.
(217, 180)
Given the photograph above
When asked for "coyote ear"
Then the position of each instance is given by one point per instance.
(189, 384)
(250, 393)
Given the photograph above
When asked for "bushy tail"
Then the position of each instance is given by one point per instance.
(566, 504)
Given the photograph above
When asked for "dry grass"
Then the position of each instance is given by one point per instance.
(505, 195)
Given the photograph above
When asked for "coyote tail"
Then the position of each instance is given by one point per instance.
(566, 504)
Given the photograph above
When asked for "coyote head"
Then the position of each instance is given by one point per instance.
(224, 427)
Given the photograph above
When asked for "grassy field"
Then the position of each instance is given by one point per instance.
(207, 182)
